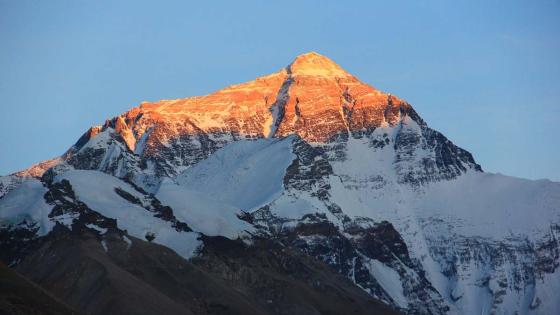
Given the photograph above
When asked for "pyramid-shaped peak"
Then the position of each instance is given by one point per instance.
(315, 64)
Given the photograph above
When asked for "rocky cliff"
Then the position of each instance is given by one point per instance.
(314, 161)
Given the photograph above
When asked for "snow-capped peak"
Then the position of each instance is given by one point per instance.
(314, 64)
(320, 161)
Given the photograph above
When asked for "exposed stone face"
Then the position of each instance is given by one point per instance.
(329, 101)
(350, 142)
(91, 133)
(241, 109)
(38, 169)
(351, 250)
(9, 183)
(313, 98)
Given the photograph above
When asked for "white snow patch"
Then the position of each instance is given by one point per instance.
(97, 228)
(98, 141)
(97, 190)
(493, 205)
(104, 244)
(246, 174)
(545, 299)
(128, 242)
(26, 202)
(202, 212)
(389, 280)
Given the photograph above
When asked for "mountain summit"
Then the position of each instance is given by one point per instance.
(312, 97)
(314, 64)
(260, 186)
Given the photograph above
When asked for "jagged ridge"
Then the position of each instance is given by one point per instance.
(348, 174)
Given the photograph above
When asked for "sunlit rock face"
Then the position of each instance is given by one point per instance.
(314, 159)
(323, 101)
(313, 98)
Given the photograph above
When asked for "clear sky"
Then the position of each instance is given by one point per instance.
(485, 73)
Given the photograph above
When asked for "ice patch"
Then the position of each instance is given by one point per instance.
(493, 205)
(389, 280)
(246, 174)
(97, 190)
(202, 212)
(128, 242)
(26, 202)
(104, 244)
(97, 228)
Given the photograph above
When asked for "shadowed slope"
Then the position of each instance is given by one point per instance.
(18, 295)
(118, 277)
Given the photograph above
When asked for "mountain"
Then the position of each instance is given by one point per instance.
(120, 274)
(308, 168)
(20, 296)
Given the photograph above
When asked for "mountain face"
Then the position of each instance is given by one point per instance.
(308, 163)
(19, 296)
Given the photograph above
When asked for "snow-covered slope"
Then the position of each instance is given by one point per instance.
(493, 205)
(26, 203)
(202, 212)
(313, 159)
(111, 198)
(251, 172)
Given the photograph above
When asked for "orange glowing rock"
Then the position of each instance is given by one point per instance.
(312, 97)
(38, 169)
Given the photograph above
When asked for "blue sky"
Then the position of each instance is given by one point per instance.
(485, 73)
